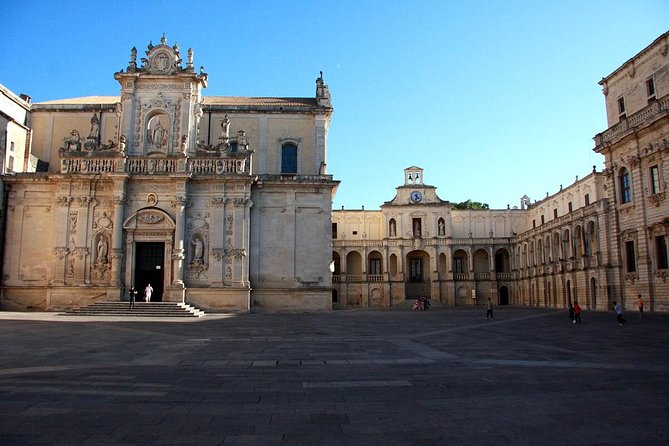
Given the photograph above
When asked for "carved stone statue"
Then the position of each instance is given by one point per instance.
(158, 135)
(95, 128)
(121, 144)
(225, 127)
(102, 250)
(198, 250)
(184, 144)
(72, 142)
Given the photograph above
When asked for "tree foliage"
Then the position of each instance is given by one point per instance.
(469, 204)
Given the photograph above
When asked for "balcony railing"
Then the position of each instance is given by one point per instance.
(638, 118)
(156, 166)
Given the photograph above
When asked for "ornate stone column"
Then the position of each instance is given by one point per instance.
(178, 253)
(117, 240)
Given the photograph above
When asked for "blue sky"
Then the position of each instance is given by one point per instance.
(494, 99)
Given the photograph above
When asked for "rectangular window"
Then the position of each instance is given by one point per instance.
(630, 256)
(374, 267)
(621, 106)
(654, 180)
(587, 199)
(334, 230)
(10, 164)
(355, 232)
(661, 252)
(542, 220)
(416, 270)
(534, 223)
(11, 146)
(650, 89)
(570, 206)
(625, 190)
(554, 213)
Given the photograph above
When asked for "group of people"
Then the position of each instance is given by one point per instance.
(575, 311)
(619, 309)
(132, 292)
(421, 304)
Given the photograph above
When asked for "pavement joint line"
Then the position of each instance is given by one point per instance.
(347, 384)
(487, 323)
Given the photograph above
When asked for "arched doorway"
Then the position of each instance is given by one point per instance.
(417, 272)
(503, 295)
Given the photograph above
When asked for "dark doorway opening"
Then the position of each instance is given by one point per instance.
(149, 269)
(504, 296)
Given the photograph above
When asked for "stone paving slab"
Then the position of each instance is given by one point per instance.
(360, 377)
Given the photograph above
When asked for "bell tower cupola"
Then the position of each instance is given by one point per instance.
(413, 176)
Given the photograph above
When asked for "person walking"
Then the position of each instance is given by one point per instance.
(488, 309)
(619, 313)
(147, 293)
(577, 313)
(640, 304)
(132, 293)
(571, 313)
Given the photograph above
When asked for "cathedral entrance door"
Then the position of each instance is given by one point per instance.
(150, 268)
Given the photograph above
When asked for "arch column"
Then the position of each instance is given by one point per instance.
(117, 240)
(178, 253)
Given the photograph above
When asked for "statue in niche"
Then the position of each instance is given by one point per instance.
(393, 228)
(225, 128)
(102, 250)
(157, 136)
(198, 250)
(442, 228)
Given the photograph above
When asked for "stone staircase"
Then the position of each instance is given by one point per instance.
(142, 309)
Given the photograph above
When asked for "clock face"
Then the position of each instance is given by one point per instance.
(416, 196)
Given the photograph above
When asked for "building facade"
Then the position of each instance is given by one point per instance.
(223, 202)
(599, 240)
(636, 159)
(417, 245)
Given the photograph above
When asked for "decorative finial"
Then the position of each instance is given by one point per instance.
(163, 40)
(150, 46)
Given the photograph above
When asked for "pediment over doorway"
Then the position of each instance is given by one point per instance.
(149, 219)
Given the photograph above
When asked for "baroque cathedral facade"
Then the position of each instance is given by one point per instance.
(225, 203)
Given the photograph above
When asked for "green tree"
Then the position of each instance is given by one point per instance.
(469, 204)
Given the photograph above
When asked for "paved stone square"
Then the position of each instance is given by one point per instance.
(355, 377)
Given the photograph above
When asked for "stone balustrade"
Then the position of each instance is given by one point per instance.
(638, 118)
(155, 165)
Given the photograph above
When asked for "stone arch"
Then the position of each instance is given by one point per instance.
(336, 263)
(481, 261)
(353, 263)
(460, 262)
(502, 261)
(375, 263)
